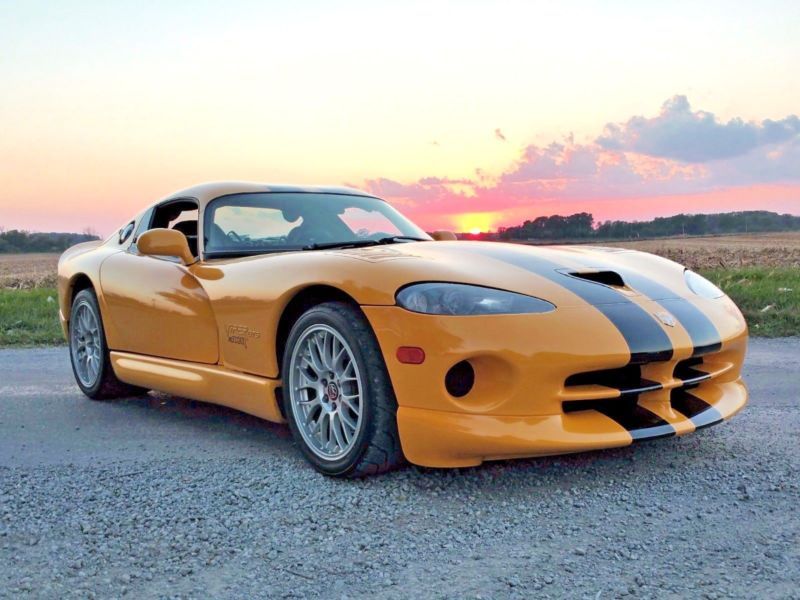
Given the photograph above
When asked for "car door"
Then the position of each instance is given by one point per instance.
(155, 305)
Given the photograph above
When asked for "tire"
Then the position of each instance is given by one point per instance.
(99, 382)
(373, 444)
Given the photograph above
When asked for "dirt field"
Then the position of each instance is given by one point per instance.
(758, 250)
(26, 271)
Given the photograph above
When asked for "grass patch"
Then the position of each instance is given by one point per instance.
(28, 318)
(769, 298)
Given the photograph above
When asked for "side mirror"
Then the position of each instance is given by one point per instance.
(444, 236)
(165, 242)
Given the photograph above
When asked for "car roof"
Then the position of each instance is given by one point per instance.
(205, 192)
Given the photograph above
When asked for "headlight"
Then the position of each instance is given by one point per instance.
(702, 286)
(462, 299)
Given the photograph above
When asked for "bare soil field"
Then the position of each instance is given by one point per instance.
(28, 271)
(727, 252)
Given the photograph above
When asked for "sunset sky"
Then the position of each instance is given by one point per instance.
(466, 115)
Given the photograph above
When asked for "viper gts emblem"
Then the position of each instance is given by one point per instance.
(239, 334)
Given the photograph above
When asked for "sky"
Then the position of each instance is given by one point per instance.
(465, 115)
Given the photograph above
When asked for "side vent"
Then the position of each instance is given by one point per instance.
(611, 278)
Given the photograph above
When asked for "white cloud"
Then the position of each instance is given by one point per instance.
(682, 134)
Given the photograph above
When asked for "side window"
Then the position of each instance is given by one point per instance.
(144, 225)
(126, 232)
(180, 215)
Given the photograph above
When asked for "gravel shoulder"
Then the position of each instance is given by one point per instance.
(156, 496)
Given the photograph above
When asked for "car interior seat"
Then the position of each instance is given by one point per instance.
(189, 229)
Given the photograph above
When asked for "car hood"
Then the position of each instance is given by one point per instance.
(564, 275)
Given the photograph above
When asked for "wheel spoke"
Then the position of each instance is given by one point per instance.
(309, 418)
(336, 354)
(325, 430)
(310, 402)
(326, 352)
(319, 344)
(348, 401)
(337, 432)
(314, 356)
(85, 322)
(348, 425)
(304, 381)
(347, 429)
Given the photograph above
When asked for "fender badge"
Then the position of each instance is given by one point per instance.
(666, 318)
(240, 334)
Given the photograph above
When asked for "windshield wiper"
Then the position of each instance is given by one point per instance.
(363, 243)
(348, 244)
(404, 238)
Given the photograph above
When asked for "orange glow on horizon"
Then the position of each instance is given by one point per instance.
(780, 198)
(475, 222)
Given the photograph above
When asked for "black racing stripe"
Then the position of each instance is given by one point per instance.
(709, 349)
(640, 423)
(646, 339)
(652, 433)
(707, 418)
(704, 335)
(700, 412)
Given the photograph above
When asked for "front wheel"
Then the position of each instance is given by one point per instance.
(91, 363)
(337, 395)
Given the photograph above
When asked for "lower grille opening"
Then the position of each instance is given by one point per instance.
(687, 371)
(637, 420)
(619, 406)
(698, 410)
(625, 377)
(628, 380)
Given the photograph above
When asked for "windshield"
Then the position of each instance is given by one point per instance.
(242, 224)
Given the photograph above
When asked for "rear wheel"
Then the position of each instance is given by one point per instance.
(337, 395)
(88, 351)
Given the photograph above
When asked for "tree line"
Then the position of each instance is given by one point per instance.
(583, 226)
(15, 241)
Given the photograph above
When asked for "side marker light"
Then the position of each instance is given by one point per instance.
(411, 355)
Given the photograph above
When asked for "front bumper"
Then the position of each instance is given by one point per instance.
(520, 404)
(441, 439)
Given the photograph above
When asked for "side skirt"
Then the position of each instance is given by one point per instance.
(207, 383)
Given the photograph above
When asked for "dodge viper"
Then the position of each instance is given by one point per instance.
(378, 343)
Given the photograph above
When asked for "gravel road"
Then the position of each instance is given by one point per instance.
(162, 497)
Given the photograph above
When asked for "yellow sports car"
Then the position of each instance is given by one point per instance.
(326, 308)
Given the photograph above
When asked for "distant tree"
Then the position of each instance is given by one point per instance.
(16, 241)
(582, 226)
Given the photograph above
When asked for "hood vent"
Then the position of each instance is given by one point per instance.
(611, 278)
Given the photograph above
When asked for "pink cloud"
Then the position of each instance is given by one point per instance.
(678, 161)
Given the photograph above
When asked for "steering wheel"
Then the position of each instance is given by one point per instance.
(232, 235)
